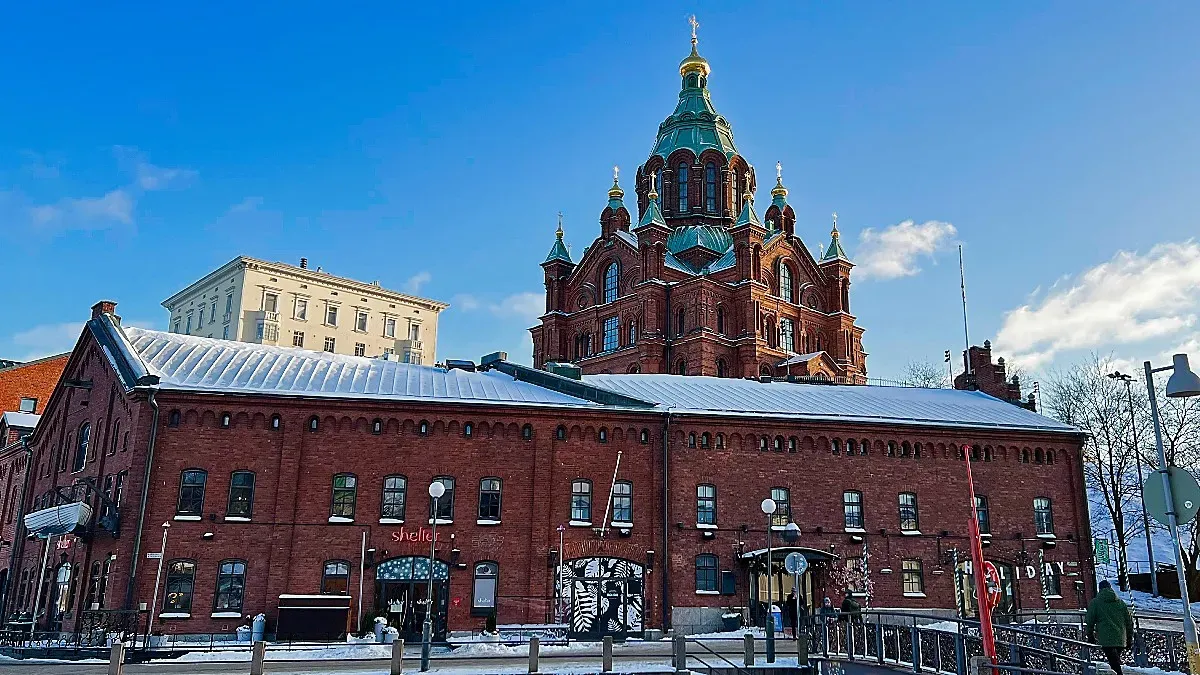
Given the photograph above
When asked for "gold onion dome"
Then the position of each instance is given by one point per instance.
(615, 192)
(694, 63)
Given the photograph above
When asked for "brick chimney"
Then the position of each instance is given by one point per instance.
(103, 307)
(990, 378)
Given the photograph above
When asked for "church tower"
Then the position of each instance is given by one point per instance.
(701, 285)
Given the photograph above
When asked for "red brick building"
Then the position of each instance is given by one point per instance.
(290, 478)
(24, 389)
(699, 284)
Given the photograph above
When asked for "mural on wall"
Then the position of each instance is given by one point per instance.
(603, 596)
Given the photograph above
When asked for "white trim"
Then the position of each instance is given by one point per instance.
(708, 592)
(485, 521)
(621, 525)
(1047, 535)
(855, 530)
(391, 521)
(176, 615)
(236, 519)
(226, 615)
(442, 521)
(910, 533)
(340, 519)
(915, 595)
(188, 518)
(706, 526)
(1052, 597)
(580, 523)
(985, 535)
(779, 528)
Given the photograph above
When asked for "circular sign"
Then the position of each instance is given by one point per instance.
(768, 506)
(795, 563)
(991, 580)
(1184, 491)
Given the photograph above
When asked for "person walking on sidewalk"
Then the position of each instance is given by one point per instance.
(1110, 625)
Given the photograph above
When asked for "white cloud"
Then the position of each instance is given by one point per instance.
(46, 339)
(115, 207)
(526, 306)
(1131, 298)
(893, 251)
(465, 302)
(416, 281)
(247, 204)
(151, 177)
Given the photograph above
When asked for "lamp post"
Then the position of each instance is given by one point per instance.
(768, 507)
(436, 490)
(1182, 383)
(562, 592)
(1128, 380)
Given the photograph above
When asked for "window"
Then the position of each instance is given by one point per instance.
(681, 181)
(611, 278)
(912, 577)
(681, 367)
(489, 499)
(560, 433)
(231, 586)
(602, 435)
(527, 432)
(360, 349)
(791, 444)
(27, 405)
(445, 503)
(705, 440)
(658, 183)
(226, 420)
(778, 444)
(200, 318)
(329, 344)
(414, 331)
(423, 428)
(331, 315)
(229, 303)
(982, 515)
(181, 578)
(622, 502)
(852, 509)
(710, 187)
(395, 493)
(787, 335)
(720, 441)
(115, 440)
(692, 439)
(633, 331)
(176, 328)
(611, 335)
(908, 512)
(785, 282)
(1051, 584)
(680, 318)
(66, 589)
(706, 505)
(484, 601)
(212, 314)
(270, 302)
(762, 443)
(706, 573)
(241, 495)
(581, 502)
(301, 310)
(191, 493)
(189, 324)
(835, 446)
(1043, 516)
(225, 333)
(389, 327)
(856, 577)
(81, 448)
(783, 507)
(345, 496)
(376, 426)
(335, 580)
(95, 595)
(360, 321)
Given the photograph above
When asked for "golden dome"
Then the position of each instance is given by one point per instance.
(694, 63)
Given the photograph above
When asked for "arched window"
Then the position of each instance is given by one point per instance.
(680, 318)
(468, 430)
(64, 591)
(335, 578)
(778, 444)
(720, 441)
(81, 448)
(116, 437)
(314, 424)
(527, 432)
(692, 439)
(681, 367)
(275, 421)
(632, 331)
(395, 495)
(191, 494)
(787, 335)
(705, 440)
(423, 428)
(377, 426)
(226, 420)
(181, 578)
(581, 502)
(720, 320)
(602, 435)
(560, 433)
(851, 447)
(611, 275)
(720, 367)
(658, 185)
(173, 418)
(241, 495)
(486, 576)
(785, 282)
(681, 184)
(231, 586)
(710, 187)
(345, 495)
(644, 437)
(445, 503)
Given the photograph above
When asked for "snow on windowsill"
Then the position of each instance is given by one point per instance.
(910, 533)
(708, 592)
(391, 521)
(580, 523)
(855, 530)
(915, 595)
(1052, 597)
(1047, 535)
(622, 525)
(176, 615)
(487, 521)
(706, 526)
(189, 518)
(778, 528)
(340, 519)
(236, 519)
(226, 615)
(441, 521)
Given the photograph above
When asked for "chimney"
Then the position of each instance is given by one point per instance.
(304, 263)
(104, 307)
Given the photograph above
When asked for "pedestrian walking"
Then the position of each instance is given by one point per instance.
(1110, 625)
(789, 612)
(851, 610)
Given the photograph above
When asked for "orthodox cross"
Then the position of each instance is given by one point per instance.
(779, 170)
(835, 220)
(695, 24)
(616, 172)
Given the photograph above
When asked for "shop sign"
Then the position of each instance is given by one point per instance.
(419, 535)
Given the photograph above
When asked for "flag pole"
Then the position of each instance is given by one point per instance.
(985, 608)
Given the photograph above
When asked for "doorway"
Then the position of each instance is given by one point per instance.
(603, 596)
(402, 593)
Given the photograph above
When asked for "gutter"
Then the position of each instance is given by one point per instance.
(137, 537)
(19, 532)
(666, 514)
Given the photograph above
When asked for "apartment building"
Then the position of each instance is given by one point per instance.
(274, 303)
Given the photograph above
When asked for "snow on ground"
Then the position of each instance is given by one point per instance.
(1149, 671)
(1138, 600)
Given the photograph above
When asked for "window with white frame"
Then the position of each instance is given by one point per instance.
(581, 501)
(1043, 515)
(360, 321)
(783, 507)
(414, 331)
(360, 349)
(297, 338)
(329, 344)
(912, 577)
(852, 508)
(300, 313)
(389, 327)
(331, 315)
(909, 520)
(611, 336)
(622, 502)
(270, 302)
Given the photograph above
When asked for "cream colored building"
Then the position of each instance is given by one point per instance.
(275, 303)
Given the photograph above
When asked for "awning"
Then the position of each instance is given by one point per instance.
(781, 552)
(60, 519)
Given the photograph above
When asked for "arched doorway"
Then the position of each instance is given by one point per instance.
(402, 590)
(602, 596)
(64, 588)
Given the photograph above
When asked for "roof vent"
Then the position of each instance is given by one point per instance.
(766, 379)
(304, 263)
(487, 360)
(460, 364)
(568, 370)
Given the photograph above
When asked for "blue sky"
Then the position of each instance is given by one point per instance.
(143, 146)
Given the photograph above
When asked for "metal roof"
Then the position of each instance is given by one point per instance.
(694, 394)
(190, 363)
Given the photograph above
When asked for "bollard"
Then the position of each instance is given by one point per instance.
(680, 654)
(748, 649)
(257, 656)
(534, 644)
(397, 657)
(116, 659)
(802, 648)
(606, 664)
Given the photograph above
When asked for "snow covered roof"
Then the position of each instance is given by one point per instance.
(892, 405)
(185, 362)
(20, 419)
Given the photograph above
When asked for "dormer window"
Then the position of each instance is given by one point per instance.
(27, 405)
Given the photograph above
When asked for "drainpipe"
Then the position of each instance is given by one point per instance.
(666, 513)
(668, 325)
(19, 532)
(137, 537)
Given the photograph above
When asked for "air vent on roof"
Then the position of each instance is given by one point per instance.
(460, 364)
(489, 359)
(765, 379)
(565, 370)
(304, 263)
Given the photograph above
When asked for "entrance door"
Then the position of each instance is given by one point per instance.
(1008, 589)
(402, 593)
(604, 596)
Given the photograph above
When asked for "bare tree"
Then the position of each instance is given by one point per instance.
(1083, 395)
(925, 374)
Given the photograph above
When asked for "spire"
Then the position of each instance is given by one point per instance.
(779, 193)
(559, 250)
(652, 216)
(615, 193)
(835, 250)
(748, 216)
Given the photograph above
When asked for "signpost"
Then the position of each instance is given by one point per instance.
(797, 565)
(1184, 491)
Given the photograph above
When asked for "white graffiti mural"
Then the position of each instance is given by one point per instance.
(603, 596)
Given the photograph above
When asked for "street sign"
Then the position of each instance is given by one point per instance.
(795, 563)
(1184, 489)
(991, 578)
(155, 555)
(1100, 546)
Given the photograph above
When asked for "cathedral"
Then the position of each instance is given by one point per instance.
(701, 284)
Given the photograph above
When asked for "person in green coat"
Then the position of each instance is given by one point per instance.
(1110, 625)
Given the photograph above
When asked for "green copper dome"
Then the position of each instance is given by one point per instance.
(695, 124)
(712, 237)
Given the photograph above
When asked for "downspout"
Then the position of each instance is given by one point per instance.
(667, 342)
(666, 513)
(137, 537)
(19, 532)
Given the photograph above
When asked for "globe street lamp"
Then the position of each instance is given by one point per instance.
(1182, 383)
(436, 490)
(1137, 458)
(768, 507)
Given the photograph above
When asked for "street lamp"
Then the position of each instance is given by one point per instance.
(436, 490)
(768, 507)
(162, 554)
(1137, 457)
(1182, 383)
